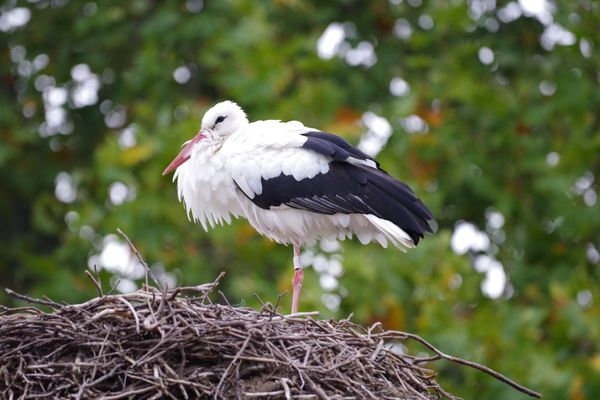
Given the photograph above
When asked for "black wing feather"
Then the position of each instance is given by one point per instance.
(333, 146)
(348, 188)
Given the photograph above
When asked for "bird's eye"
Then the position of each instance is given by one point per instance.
(220, 119)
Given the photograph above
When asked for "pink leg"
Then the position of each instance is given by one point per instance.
(297, 281)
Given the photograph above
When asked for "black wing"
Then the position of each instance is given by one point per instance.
(348, 188)
(333, 146)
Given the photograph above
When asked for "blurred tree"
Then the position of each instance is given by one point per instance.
(494, 112)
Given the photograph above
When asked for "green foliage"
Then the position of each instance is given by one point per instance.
(512, 136)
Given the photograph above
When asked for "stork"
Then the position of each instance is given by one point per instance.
(294, 185)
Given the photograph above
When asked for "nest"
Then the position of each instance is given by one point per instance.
(180, 344)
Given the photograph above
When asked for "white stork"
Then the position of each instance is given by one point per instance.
(293, 184)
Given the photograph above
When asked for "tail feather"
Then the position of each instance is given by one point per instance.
(392, 232)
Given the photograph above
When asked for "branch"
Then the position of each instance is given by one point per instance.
(33, 300)
(142, 261)
(468, 363)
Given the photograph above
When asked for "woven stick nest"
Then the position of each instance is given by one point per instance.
(159, 344)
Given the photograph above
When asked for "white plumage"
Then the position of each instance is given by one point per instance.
(294, 184)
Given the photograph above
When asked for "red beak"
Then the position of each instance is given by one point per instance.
(184, 154)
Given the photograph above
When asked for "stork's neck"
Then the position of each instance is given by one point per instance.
(208, 146)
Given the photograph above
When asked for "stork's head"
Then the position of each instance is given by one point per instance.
(219, 122)
(224, 118)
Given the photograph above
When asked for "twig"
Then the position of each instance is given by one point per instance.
(114, 287)
(262, 303)
(135, 316)
(141, 260)
(205, 288)
(276, 306)
(475, 365)
(225, 298)
(318, 391)
(95, 281)
(286, 389)
(235, 359)
(32, 300)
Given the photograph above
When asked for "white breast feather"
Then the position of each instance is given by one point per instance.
(207, 190)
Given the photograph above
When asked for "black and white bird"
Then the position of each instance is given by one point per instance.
(294, 185)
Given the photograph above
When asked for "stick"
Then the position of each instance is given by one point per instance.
(32, 300)
(95, 281)
(472, 364)
(141, 259)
